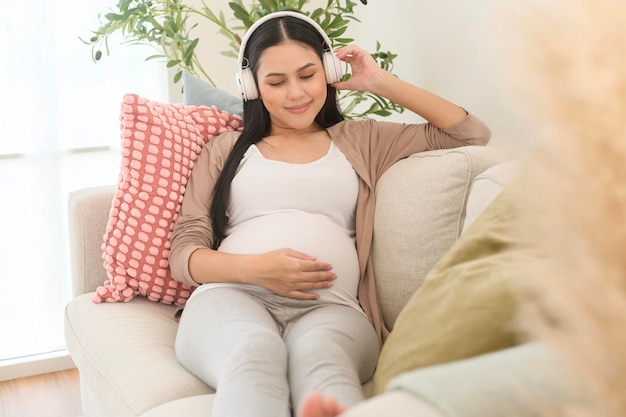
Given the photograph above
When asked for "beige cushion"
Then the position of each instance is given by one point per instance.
(522, 381)
(196, 406)
(465, 306)
(486, 187)
(125, 353)
(420, 212)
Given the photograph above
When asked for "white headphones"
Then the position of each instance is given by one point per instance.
(245, 79)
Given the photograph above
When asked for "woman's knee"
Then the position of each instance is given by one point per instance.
(343, 341)
(222, 326)
(261, 351)
(334, 331)
(248, 353)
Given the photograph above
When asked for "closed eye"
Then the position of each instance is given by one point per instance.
(302, 77)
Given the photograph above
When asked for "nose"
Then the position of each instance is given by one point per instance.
(295, 91)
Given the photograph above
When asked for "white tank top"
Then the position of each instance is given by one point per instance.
(309, 207)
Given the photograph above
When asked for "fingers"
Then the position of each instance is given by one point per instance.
(364, 69)
(312, 266)
(347, 53)
(298, 255)
(295, 274)
(309, 263)
(305, 287)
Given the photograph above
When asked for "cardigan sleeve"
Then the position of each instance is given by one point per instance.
(406, 139)
(373, 146)
(469, 131)
(192, 229)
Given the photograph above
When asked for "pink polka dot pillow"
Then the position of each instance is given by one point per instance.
(160, 143)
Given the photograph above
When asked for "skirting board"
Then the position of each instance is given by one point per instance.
(35, 365)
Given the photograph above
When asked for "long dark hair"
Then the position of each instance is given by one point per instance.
(257, 123)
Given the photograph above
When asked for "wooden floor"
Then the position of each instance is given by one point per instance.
(49, 395)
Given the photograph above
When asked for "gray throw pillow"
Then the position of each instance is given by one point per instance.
(198, 92)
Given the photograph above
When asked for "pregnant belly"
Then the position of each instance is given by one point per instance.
(313, 234)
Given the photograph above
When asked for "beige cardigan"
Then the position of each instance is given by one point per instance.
(370, 146)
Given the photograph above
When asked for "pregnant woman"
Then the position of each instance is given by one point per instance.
(276, 223)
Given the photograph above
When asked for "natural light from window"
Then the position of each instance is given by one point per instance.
(60, 132)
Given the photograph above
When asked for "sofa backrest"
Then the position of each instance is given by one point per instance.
(420, 212)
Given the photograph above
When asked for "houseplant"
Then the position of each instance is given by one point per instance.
(168, 25)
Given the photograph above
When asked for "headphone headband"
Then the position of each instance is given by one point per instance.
(244, 77)
(274, 15)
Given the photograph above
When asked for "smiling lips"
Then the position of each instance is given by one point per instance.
(299, 108)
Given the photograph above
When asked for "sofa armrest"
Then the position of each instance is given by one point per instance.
(88, 211)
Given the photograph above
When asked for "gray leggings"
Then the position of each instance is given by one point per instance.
(263, 352)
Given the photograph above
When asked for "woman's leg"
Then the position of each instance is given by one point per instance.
(227, 338)
(333, 350)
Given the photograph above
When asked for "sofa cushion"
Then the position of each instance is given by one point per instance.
(526, 380)
(466, 305)
(486, 188)
(160, 143)
(125, 354)
(420, 211)
(197, 406)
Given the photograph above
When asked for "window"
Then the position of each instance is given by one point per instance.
(60, 131)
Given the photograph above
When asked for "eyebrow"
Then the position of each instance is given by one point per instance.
(276, 74)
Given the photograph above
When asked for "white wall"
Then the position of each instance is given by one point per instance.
(458, 49)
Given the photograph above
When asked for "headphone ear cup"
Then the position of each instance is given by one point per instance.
(246, 84)
(333, 67)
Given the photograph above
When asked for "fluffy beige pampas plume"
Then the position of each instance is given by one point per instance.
(575, 73)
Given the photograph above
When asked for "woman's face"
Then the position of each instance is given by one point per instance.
(292, 86)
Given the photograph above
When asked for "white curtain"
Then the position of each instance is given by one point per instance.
(59, 130)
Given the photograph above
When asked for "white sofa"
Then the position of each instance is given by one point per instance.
(125, 351)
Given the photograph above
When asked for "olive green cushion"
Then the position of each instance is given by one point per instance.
(465, 306)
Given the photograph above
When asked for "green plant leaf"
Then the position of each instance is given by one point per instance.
(229, 54)
(113, 17)
(165, 25)
(344, 41)
(337, 33)
(239, 11)
(316, 14)
(189, 52)
(178, 76)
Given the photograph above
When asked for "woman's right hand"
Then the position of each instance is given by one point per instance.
(290, 273)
